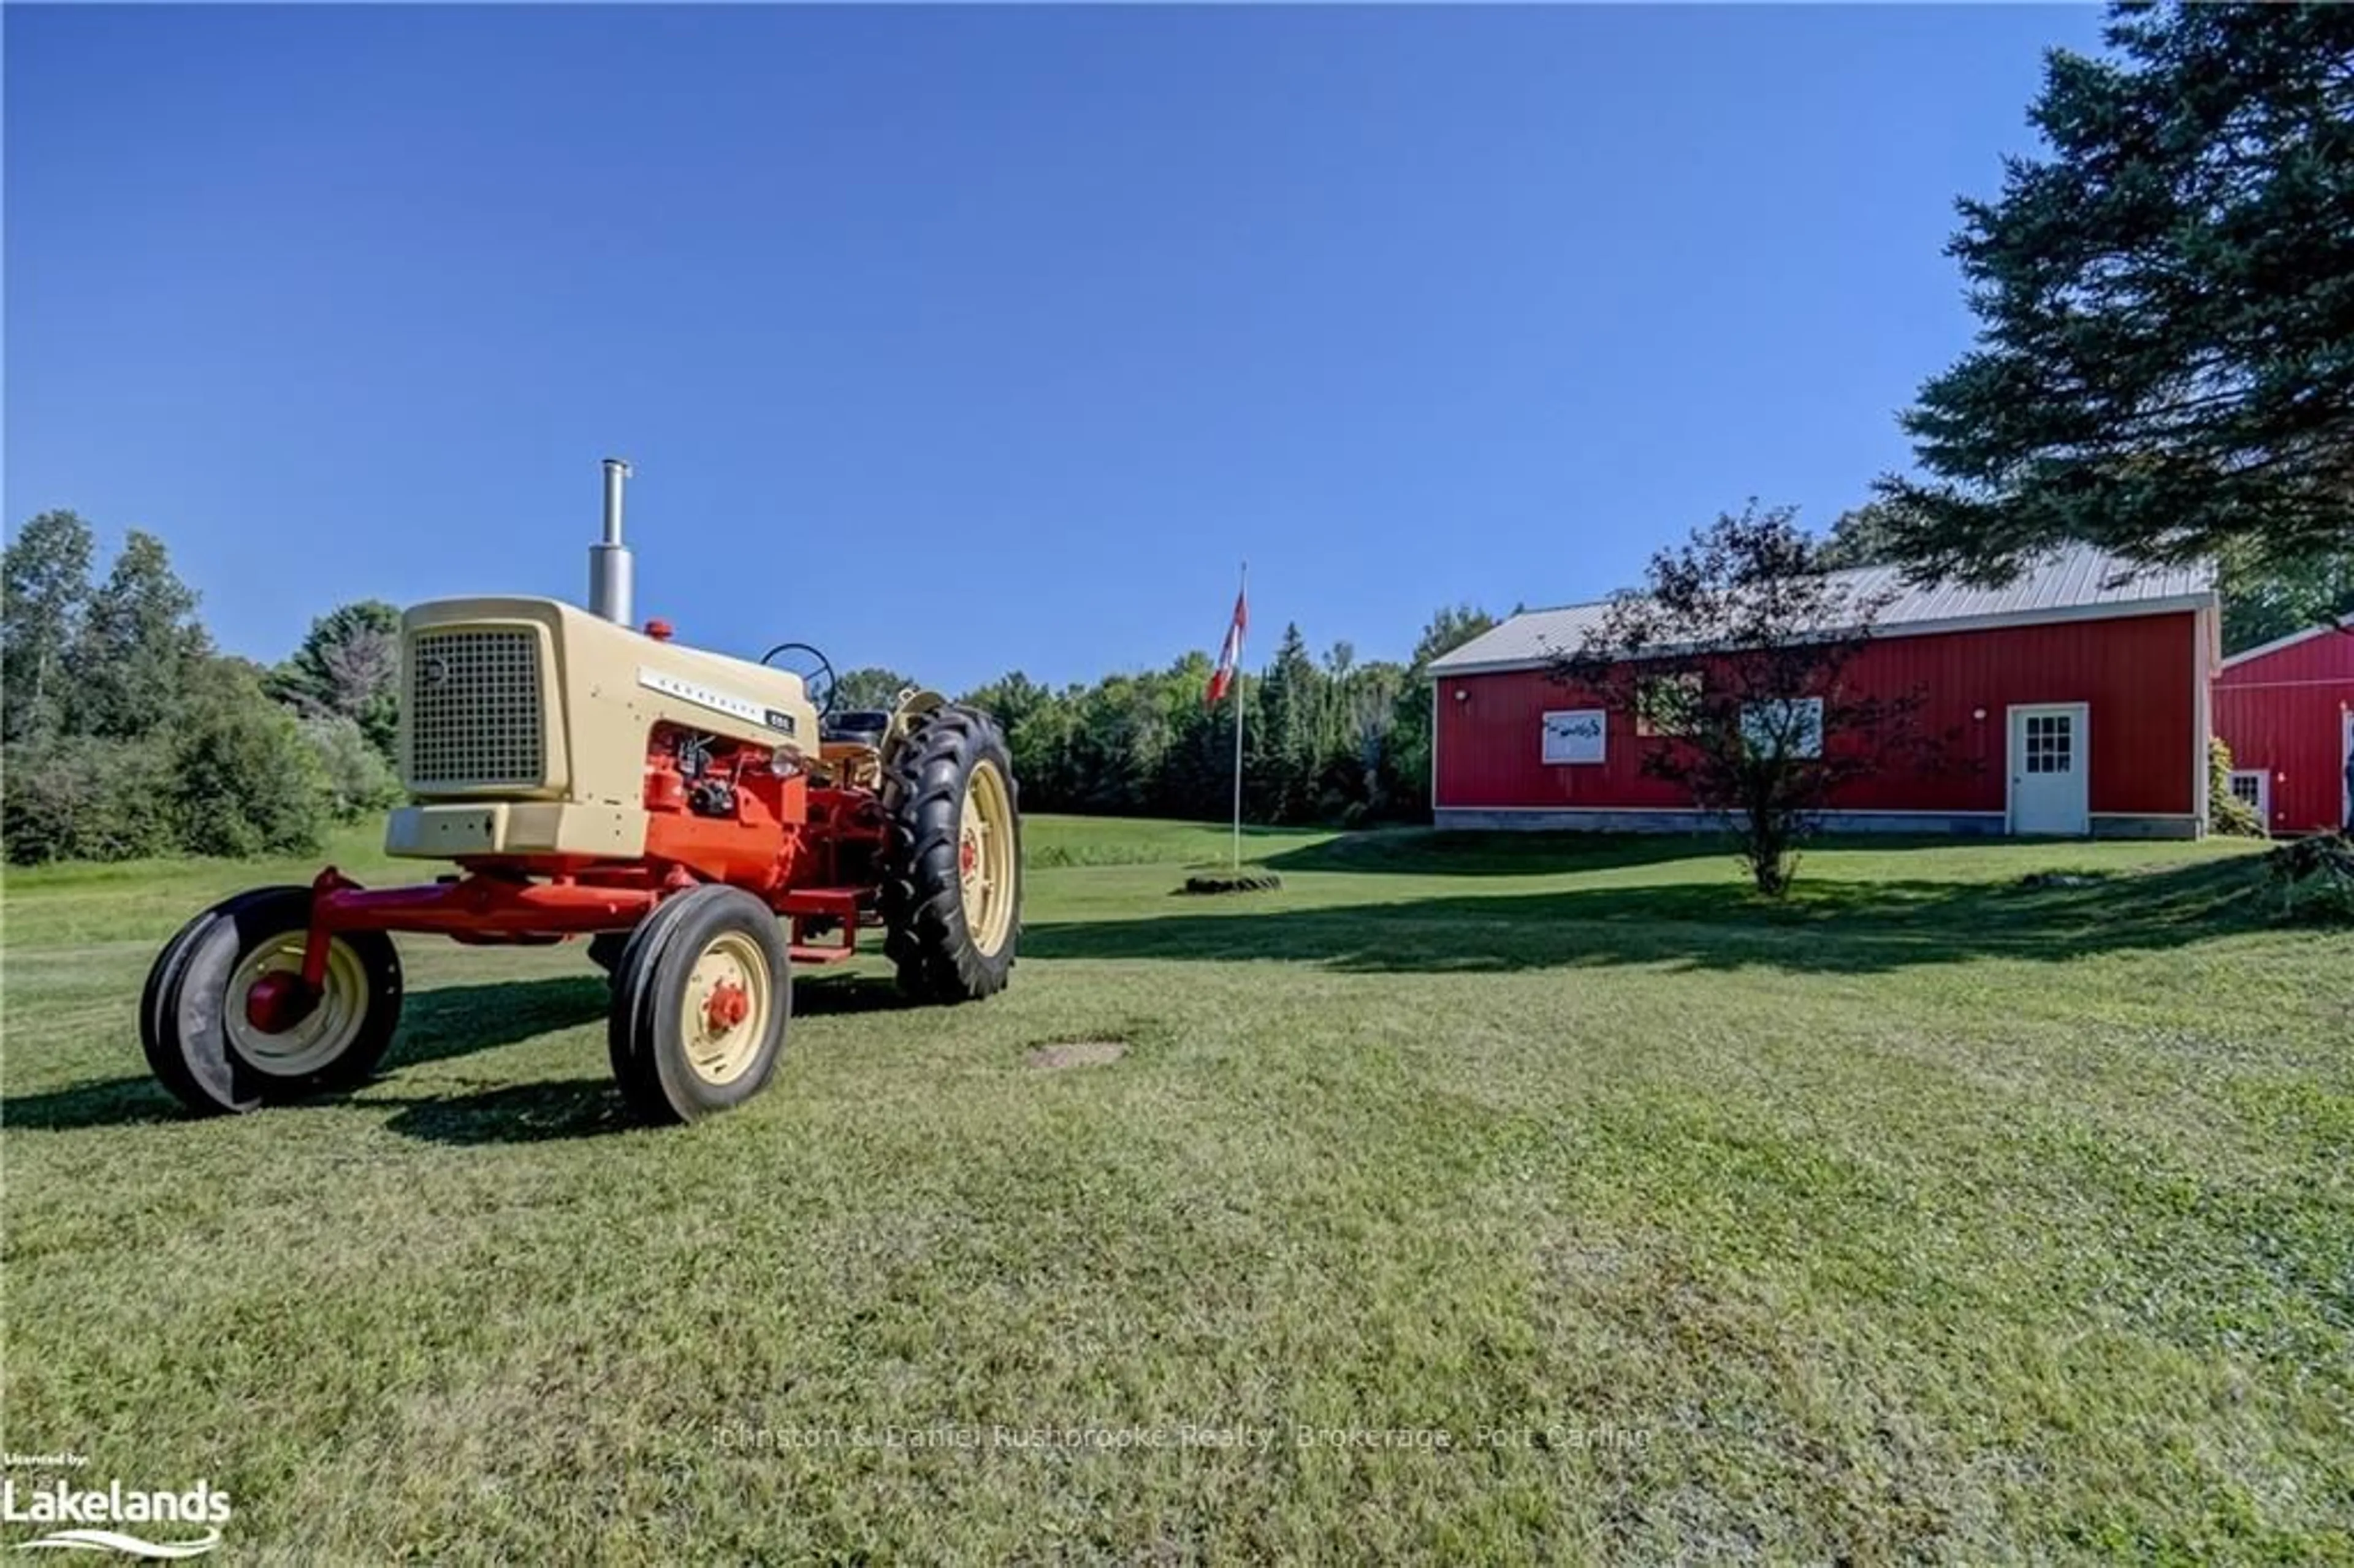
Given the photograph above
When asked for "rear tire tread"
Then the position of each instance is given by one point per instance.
(922, 897)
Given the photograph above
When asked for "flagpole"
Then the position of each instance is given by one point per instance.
(1240, 638)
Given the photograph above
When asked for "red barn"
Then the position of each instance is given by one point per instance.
(2287, 710)
(2080, 694)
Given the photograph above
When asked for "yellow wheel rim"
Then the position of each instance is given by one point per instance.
(729, 993)
(319, 1036)
(985, 858)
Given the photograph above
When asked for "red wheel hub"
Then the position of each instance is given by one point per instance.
(967, 855)
(279, 1001)
(728, 1005)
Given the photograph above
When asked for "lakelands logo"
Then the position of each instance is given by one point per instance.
(92, 1515)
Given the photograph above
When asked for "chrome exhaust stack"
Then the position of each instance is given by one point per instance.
(609, 565)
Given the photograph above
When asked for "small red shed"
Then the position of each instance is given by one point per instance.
(2287, 710)
(2079, 694)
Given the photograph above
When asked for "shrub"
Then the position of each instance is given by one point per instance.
(2226, 812)
(82, 797)
(2315, 877)
(245, 782)
(358, 779)
(231, 773)
(1234, 881)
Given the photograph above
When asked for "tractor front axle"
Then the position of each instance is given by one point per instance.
(476, 907)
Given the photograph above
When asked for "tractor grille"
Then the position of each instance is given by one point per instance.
(474, 709)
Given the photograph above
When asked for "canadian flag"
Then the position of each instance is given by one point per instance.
(1230, 657)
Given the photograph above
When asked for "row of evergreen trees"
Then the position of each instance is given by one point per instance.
(1327, 740)
(127, 734)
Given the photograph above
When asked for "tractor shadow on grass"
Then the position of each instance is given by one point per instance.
(551, 1111)
(439, 1025)
(454, 1021)
(546, 1111)
(1828, 928)
(435, 1026)
(851, 993)
(106, 1102)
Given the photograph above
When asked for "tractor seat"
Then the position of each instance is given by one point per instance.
(858, 727)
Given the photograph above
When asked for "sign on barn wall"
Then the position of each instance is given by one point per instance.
(1574, 735)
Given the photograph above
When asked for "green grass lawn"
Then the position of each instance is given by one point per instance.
(1506, 1198)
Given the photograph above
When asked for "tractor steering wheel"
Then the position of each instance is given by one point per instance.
(815, 681)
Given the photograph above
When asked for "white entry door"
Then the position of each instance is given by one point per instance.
(2051, 769)
(2346, 790)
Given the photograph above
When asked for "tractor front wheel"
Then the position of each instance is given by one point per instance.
(951, 893)
(701, 995)
(228, 1025)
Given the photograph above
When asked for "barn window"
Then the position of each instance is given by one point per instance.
(2253, 787)
(1784, 726)
(1574, 735)
(1668, 704)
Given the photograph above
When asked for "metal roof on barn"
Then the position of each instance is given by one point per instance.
(2076, 584)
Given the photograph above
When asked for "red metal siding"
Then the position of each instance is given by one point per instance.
(2285, 713)
(2140, 674)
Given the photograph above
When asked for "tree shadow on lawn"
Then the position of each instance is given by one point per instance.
(1837, 927)
(1446, 852)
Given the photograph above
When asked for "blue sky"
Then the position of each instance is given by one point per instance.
(962, 340)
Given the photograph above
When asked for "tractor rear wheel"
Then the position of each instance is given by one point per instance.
(951, 892)
(225, 1027)
(701, 1000)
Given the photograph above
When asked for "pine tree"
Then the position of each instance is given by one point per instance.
(2165, 365)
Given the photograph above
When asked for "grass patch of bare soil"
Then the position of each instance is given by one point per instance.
(1077, 1053)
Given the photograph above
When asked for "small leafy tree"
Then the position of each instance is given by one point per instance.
(872, 688)
(243, 781)
(348, 667)
(1368, 714)
(1734, 662)
(358, 779)
(45, 591)
(139, 647)
(1011, 698)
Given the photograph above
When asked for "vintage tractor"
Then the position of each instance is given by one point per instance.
(701, 818)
